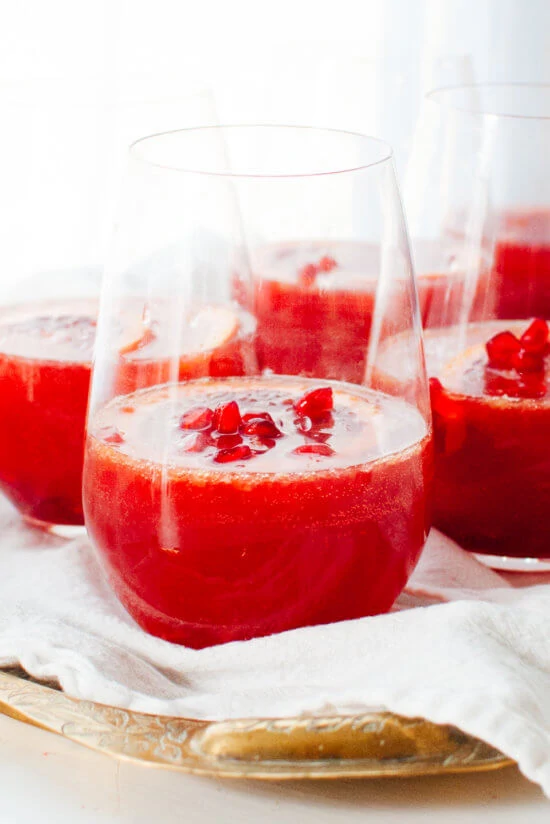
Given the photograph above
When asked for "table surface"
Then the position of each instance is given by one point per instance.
(47, 779)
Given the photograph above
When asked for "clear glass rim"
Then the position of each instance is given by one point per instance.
(442, 94)
(385, 151)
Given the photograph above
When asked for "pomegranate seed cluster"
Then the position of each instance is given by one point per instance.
(239, 437)
(309, 272)
(524, 357)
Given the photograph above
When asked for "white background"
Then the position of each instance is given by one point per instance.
(359, 65)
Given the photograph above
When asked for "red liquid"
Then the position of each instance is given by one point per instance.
(492, 479)
(203, 552)
(520, 278)
(318, 324)
(216, 341)
(45, 353)
(45, 363)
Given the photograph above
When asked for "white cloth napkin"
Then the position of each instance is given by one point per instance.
(480, 661)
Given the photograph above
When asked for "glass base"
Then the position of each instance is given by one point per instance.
(506, 563)
(67, 531)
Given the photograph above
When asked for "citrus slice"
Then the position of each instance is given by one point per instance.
(135, 338)
(459, 364)
(208, 329)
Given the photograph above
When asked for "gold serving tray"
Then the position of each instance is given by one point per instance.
(371, 745)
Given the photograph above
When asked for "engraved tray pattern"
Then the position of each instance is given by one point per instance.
(374, 744)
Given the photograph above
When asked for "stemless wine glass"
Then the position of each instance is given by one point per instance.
(478, 199)
(61, 148)
(247, 468)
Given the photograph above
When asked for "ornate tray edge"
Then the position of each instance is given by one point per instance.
(371, 745)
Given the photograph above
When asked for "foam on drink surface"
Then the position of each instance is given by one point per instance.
(365, 425)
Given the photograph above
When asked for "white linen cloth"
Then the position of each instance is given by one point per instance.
(481, 661)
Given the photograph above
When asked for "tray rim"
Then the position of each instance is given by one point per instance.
(369, 745)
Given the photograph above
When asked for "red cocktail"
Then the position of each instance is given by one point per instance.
(45, 355)
(45, 362)
(314, 309)
(227, 509)
(491, 408)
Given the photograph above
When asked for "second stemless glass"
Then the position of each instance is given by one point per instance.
(479, 211)
(246, 470)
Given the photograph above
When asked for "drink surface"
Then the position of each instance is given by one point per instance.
(61, 331)
(210, 537)
(363, 425)
(461, 362)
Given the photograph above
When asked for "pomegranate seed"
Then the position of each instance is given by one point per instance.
(128, 409)
(449, 424)
(501, 350)
(441, 403)
(303, 424)
(530, 386)
(228, 441)
(535, 337)
(528, 362)
(315, 403)
(261, 445)
(307, 274)
(227, 418)
(262, 427)
(147, 338)
(196, 442)
(325, 420)
(496, 385)
(110, 434)
(251, 416)
(237, 453)
(327, 264)
(314, 449)
(199, 417)
(320, 437)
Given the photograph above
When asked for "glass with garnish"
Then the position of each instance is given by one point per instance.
(479, 207)
(231, 492)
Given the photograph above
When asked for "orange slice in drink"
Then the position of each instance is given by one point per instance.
(136, 338)
(210, 346)
(453, 372)
(208, 329)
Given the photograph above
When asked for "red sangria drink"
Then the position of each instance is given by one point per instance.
(314, 305)
(231, 508)
(45, 364)
(520, 278)
(45, 361)
(491, 413)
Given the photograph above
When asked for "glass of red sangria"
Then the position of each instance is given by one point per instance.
(62, 150)
(481, 224)
(236, 485)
